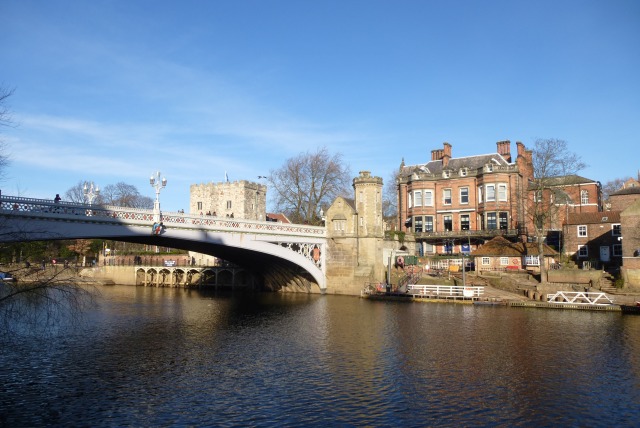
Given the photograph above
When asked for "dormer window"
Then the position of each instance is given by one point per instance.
(488, 167)
(463, 172)
(446, 173)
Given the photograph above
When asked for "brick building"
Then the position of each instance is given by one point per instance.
(594, 239)
(451, 201)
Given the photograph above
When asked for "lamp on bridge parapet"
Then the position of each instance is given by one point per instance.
(158, 184)
(90, 192)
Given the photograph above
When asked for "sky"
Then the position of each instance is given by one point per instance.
(112, 91)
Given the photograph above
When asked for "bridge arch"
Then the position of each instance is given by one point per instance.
(280, 254)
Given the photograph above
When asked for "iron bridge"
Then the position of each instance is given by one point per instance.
(276, 250)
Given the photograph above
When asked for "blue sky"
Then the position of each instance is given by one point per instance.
(111, 91)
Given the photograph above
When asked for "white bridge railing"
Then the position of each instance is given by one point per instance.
(446, 291)
(29, 207)
(579, 298)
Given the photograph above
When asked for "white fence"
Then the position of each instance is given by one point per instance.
(579, 298)
(446, 291)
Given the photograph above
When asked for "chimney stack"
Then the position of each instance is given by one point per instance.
(504, 149)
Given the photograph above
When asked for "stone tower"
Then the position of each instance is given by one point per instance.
(356, 236)
(238, 199)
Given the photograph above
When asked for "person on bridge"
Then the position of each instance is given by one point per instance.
(57, 198)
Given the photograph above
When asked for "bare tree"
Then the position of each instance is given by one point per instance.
(309, 182)
(554, 168)
(5, 120)
(125, 195)
(390, 197)
(613, 186)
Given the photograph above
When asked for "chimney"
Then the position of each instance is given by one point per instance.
(436, 154)
(447, 155)
(504, 149)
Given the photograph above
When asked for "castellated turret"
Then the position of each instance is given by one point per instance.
(368, 203)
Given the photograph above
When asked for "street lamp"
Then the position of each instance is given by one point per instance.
(158, 184)
(90, 192)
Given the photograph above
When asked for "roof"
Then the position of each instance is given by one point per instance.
(626, 191)
(279, 217)
(455, 164)
(565, 180)
(500, 246)
(594, 218)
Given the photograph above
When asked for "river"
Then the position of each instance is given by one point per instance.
(169, 357)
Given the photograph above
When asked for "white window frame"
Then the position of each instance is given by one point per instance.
(486, 261)
(480, 192)
(444, 196)
(428, 198)
(410, 199)
(502, 192)
(446, 173)
(531, 260)
(584, 197)
(463, 172)
(582, 231)
(504, 261)
(583, 251)
(490, 193)
(616, 231)
(467, 190)
(489, 167)
(417, 198)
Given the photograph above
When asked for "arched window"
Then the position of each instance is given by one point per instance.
(584, 197)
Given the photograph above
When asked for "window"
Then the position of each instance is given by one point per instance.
(616, 230)
(464, 222)
(428, 198)
(503, 222)
(410, 200)
(417, 198)
(428, 223)
(504, 261)
(502, 192)
(583, 251)
(486, 261)
(228, 205)
(338, 225)
(582, 231)
(537, 196)
(488, 167)
(532, 260)
(617, 250)
(492, 223)
(200, 206)
(446, 173)
(361, 221)
(479, 194)
(584, 197)
(448, 223)
(491, 193)
(463, 172)
(464, 195)
(446, 196)
(417, 224)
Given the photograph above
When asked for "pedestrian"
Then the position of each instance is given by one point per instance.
(57, 198)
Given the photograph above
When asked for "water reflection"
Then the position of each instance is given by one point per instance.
(150, 356)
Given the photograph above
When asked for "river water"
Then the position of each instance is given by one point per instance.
(168, 357)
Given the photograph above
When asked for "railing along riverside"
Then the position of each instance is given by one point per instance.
(445, 291)
(137, 216)
(579, 298)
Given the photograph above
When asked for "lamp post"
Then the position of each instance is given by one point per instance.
(158, 184)
(90, 192)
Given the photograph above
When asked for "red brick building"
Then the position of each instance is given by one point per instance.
(594, 239)
(449, 201)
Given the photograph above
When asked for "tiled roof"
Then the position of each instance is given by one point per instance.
(501, 247)
(565, 180)
(627, 191)
(279, 217)
(455, 164)
(594, 218)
